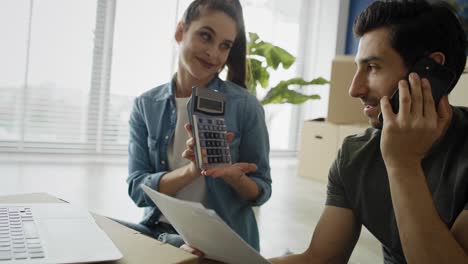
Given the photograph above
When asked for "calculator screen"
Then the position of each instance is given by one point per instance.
(210, 104)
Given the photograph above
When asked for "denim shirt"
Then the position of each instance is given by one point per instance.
(152, 124)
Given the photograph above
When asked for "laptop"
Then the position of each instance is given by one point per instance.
(203, 229)
(40, 233)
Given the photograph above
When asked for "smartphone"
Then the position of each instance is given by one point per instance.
(440, 77)
(206, 116)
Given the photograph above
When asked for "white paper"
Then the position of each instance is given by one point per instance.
(204, 230)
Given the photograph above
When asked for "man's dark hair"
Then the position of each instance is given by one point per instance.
(418, 28)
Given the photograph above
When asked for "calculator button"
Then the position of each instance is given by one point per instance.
(212, 140)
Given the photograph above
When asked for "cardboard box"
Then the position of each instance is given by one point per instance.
(319, 146)
(459, 94)
(342, 108)
(135, 247)
(317, 149)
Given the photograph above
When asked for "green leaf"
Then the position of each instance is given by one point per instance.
(257, 75)
(274, 55)
(281, 93)
(263, 58)
(253, 37)
(300, 81)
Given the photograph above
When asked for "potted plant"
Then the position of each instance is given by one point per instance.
(263, 58)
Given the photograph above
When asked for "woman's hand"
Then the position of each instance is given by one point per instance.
(189, 154)
(191, 250)
(230, 172)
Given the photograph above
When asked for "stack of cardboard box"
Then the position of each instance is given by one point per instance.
(320, 140)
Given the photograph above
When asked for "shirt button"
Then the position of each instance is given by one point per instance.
(167, 137)
(163, 162)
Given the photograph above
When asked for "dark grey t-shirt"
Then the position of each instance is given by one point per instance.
(358, 180)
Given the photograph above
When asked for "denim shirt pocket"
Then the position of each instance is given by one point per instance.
(157, 149)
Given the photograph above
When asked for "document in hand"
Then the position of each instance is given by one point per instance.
(203, 229)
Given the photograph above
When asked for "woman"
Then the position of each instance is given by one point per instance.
(210, 36)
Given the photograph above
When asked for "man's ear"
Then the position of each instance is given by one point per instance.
(438, 57)
(179, 32)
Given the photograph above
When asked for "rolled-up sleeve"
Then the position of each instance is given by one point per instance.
(335, 189)
(255, 148)
(140, 169)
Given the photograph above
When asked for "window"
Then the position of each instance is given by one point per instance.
(49, 46)
(72, 69)
(14, 16)
(142, 59)
(277, 21)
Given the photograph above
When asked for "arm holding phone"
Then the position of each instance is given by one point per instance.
(406, 139)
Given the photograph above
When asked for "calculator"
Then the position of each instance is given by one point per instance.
(208, 127)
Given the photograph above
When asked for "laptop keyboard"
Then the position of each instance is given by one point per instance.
(19, 238)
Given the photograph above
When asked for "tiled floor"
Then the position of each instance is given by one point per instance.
(286, 221)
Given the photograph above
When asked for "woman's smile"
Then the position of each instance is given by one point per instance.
(205, 63)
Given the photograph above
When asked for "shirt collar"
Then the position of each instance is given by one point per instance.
(214, 84)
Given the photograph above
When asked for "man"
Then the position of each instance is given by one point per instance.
(407, 181)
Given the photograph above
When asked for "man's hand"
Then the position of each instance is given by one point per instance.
(409, 135)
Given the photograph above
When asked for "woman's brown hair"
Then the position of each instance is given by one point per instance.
(236, 62)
